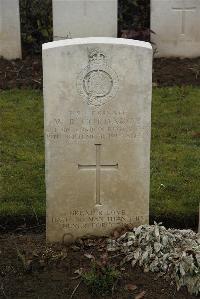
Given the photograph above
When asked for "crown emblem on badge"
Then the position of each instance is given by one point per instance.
(97, 83)
(96, 57)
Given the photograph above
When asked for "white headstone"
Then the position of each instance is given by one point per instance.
(176, 25)
(84, 18)
(97, 96)
(10, 39)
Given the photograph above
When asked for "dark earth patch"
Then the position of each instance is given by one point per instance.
(30, 269)
(27, 73)
(176, 71)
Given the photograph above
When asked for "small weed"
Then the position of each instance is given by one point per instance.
(101, 280)
(182, 93)
(196, 70)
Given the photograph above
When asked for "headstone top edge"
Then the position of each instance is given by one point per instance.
(96, 40)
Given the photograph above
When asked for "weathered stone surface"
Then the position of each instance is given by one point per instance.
(10, 39)
(97, 96)
(176, 26)
(84, 18)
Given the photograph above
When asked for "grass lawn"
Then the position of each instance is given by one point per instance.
(175, 154)
(22, 152)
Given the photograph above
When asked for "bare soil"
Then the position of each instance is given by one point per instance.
(170, 72)
(31, 269)
(27, 73)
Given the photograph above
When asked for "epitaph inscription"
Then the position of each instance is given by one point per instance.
(92, 218)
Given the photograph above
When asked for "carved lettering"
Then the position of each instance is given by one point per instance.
(77, 128)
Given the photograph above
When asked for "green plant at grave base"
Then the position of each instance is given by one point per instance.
(172, 253)
(100, 280)
(36, 24)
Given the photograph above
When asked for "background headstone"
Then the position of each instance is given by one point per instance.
(97, 96)
(84, 18)
(10, 39)
(176, 25)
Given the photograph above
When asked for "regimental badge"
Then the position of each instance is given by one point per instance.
(97, 83)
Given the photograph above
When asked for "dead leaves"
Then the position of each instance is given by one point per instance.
(130, 287)
(89, 256)
(133, 288)
(140, 295)
(36, 261)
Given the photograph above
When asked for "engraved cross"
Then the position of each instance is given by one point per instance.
(98, 167)
(183, 11)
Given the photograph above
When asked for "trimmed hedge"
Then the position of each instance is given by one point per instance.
(37, 25)
(134, 19)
